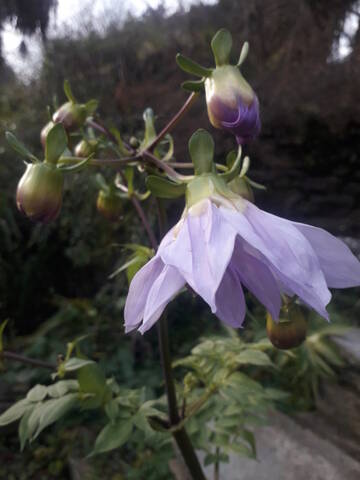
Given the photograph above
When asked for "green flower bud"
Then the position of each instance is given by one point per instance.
(39, 192)
(109, 204)
(71, 115)
(290, 330)
(242, 188)
(85, 148)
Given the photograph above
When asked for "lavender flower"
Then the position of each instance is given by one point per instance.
(224, 243)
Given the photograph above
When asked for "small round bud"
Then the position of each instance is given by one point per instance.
(45, 130)
(134, 142)
(71, 115)
(242, 188)
(39, 192)
(232, 104)
(290, 330)
(109, 204)
(85, 148)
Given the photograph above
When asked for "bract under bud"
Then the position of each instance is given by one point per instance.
(232, 104)
(109, 204)
(39, 192)
(71, 115)
(45, 130)
(290, 330)
(85, 148)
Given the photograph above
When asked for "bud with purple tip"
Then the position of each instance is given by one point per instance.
(231, 102)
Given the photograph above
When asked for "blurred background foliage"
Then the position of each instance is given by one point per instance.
(54, 282)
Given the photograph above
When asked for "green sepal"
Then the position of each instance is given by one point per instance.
(256, 185)
(170, 153)
(68, 92)
(221, 45)
(162, 188)
(19, 147)
(91, 107)
(120, 143)
(129, 175)
(243, 54)
(101, 183)
(201, 148)
(189, 66)
(2, 328)
(235, 168)
(150, 132)
(76, 168)
(56, 143)
(193, 86)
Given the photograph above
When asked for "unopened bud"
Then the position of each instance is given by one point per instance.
(71, 115)
(232, 104)
(39, 192)
(109, 204)
(290, 330)
(85, 148)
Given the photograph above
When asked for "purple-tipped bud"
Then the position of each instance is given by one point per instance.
(44, 132)
(85, 148)
(39, 192)
(290, 330)
(232, 104)
(71, 115)
(109, 205)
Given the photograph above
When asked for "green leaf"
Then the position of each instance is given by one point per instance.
(112, 410)
(62, 387)
(221, 45)
(134, 260)
(37, 393)
(24, 428)
(193, 85)
(92, 381)
(163, 188)
(75, 363)
(19, 147)
(114, 435)
(14, 412)
(56, 143)
(189, 66)
(54, 409)
(201, 148)
(68, 92)
(253, 357)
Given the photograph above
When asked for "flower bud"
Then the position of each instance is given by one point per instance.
(43, 134)
(71, 115)
(232, 104)
(241, 187)
(290, 330)
(39, 192)
(109, 204)
(85, 148)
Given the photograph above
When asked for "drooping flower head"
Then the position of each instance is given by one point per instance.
(232, 104)
(223, 244)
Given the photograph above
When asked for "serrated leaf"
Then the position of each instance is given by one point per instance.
(114, 435)
(53, 410)
(62, 387)
(14, 412)
(56, 143)
(75, 363)
(189, 66)
(37, 393)
(162, 188)
(253, 357)
(19, 147)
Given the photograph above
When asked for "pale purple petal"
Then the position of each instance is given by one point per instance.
(212, 244)
(165, 287)
(230, 301)
(138, 291)
(287, 252)
(340, 267)
(257, 278)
